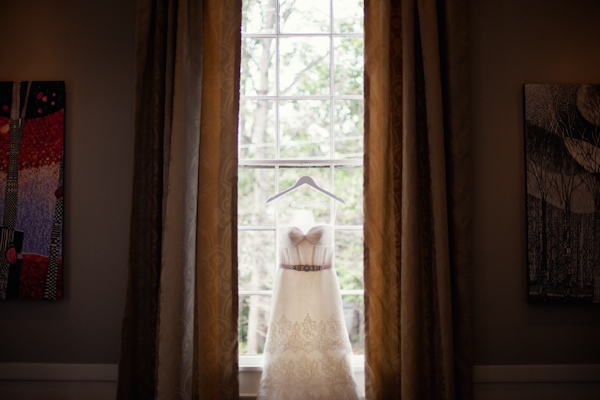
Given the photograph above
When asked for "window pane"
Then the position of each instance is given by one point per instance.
(285, 125)
(348, 16)
(349, 259)
(304, 206)
(349, 186)
(349, 64)
(253, 319)
(348, 125)
(256, 260)
(257, 129)
(259, 16)
(255, 186)
(304, 126)
(257, 67)
(304, 66)
(305, 16)
(354, 315)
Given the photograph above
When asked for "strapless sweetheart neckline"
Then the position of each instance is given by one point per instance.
(308, 232)
(318, 235)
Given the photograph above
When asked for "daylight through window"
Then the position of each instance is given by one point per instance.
(301, 113)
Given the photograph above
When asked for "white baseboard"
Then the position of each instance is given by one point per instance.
(482, 374)
(536, 382)
(58, 372)
(39, 381)
(536, 373)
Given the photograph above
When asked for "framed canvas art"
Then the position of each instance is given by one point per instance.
(562, 155)
(32, 116)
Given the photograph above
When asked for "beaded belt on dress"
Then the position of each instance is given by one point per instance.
(305, 268)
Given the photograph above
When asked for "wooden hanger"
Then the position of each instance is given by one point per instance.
(306, 180)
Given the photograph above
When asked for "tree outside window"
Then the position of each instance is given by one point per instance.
(301, 113)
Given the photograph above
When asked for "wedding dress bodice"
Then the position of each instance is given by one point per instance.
(315, 247)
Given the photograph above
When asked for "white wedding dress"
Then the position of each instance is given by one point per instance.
(307, 353)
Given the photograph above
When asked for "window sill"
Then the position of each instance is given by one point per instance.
(251, 370)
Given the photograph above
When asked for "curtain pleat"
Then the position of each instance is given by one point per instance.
(216, 296)
(417, 201)
(137, 365)
(179, 335)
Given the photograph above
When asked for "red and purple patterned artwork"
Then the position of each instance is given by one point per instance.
(32, 116)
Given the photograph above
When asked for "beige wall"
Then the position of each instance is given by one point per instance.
(514, 42)
(89, 45)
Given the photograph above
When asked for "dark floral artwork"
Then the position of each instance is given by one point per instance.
(32, 116)
(562, 147)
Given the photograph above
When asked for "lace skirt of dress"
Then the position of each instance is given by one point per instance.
(307, 354)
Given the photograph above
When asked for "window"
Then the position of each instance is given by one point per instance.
(301, 113)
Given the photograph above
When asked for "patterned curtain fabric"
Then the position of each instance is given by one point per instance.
(179, 336)
(417, 201)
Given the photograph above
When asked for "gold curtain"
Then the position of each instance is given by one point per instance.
(179, 335)
(417, 200)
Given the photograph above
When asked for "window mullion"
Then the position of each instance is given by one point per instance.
(277, 136)
(301, 161)
(293, 35)
(276, 231)
(307, 97)
(254, 292)
(256, 228)
(352, 292)
(276, 99)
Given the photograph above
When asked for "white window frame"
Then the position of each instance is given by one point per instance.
(253, 363)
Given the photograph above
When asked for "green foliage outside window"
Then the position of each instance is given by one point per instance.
(319, 116)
